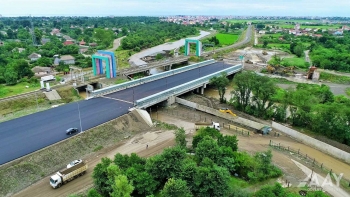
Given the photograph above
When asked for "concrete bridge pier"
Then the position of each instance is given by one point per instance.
(166, 68)
(147, 73)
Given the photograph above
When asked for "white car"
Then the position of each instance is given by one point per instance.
(73, 163)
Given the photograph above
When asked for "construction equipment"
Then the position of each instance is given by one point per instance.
(226, 110)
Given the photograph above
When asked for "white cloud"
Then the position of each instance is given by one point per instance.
(174, 7)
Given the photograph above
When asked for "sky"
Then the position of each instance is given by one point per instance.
(174, 7)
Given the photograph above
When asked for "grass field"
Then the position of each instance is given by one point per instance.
(295, 61)
(19, 88)
(227, 39)
(334, 78)
(123, 56)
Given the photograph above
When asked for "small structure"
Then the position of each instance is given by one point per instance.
(82, 43)
(83, 49)
(55, 31)
(67, 59)
(19, 50)
(45, 40)
(68, 42)
(104, 62)
(38, 70)
(313, 73)
(1, 43)
(198, 46)
(93, 44)
(34, 56)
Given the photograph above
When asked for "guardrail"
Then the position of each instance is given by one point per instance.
(116, 88)
(162, 96)
(140, 68)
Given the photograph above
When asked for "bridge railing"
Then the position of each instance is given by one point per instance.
(162, 96)
(116, 88)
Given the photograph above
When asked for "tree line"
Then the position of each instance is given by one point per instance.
(205, 170)
(143, 36)
(309, 106)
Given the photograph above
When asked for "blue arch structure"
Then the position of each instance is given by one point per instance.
(198, 47)
(110, 60)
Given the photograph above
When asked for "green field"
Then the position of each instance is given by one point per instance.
(19, 88)
(274, 21)
(295, 61)
(227, 39)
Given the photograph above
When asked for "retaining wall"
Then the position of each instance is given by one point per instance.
(215, 112)
(324, 147)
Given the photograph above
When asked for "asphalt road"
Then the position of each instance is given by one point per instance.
(27, 134)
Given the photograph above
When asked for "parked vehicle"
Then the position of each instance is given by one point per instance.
(213, 125)
(66, 175)
(48, 78)
(74, 163)
(71, 131)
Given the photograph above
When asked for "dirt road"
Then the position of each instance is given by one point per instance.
(159, 140)
(116, 44)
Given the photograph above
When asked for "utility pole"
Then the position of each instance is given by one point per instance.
(33, 34)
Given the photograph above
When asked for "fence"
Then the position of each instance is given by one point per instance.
(305, 157)
(129, 84)
(195, 117)
(340, 154)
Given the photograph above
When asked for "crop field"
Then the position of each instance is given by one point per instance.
(227, 39)
(310, 26)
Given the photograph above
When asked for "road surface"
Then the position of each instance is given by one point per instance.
(116, 44)
(27, 134)
(136, 58)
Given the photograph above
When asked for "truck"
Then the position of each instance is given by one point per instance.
(68, 174)
(48, 78)
(213, 125)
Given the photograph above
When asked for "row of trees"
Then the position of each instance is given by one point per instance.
(310, 106)
(206, 172)
(143, 36)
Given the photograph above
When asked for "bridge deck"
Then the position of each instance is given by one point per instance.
(27, 134)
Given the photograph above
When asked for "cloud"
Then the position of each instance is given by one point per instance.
(174, 7)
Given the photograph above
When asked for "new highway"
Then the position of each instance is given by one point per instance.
(30, 133)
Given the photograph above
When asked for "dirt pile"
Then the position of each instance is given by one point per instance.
(19, 174)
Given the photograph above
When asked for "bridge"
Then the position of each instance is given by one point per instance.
(165, 63)
(27, 134)
(169, 62)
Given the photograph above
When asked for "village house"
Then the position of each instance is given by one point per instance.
(55, 31)
(34, 56)
(67, 59)
(38, 70)
(68, 42)
(45, 40)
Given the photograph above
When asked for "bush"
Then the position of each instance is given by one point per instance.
(23, 80)
(33, 80)
(2, 80)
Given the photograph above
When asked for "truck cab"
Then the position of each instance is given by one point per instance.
(216, 126)
(55, 181)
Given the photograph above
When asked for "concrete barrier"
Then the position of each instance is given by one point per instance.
(215, 112)
(324, 147)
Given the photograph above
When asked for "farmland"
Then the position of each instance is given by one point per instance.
(227, 39)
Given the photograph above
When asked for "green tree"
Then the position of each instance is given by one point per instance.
(207, 148)
(143, 182)
(228, 141)
(93, 193)
(10, 76)
(38, 35)
(100, 177)
(271, 191)
(166, 165)
(263, 90)
(220, 84)
(175, 188)
(211, 181)
(244, 83)
(180, 137)
(299, 50)
(265, 43)
(122, 187)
